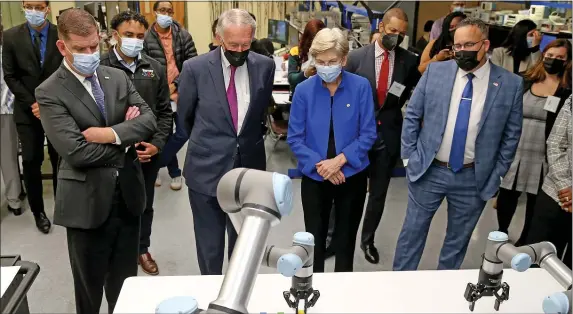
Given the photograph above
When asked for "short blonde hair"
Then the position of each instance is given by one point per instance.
(329, 38)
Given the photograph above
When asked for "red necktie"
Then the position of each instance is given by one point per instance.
(382, 89)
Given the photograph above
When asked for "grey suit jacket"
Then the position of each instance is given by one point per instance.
(87, 175)
(214, 146)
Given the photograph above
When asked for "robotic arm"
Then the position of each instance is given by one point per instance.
(498, 251)
(256, 201)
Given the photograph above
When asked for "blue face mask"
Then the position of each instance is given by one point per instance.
(86, 63)
(529, 42)
(328, 73)
(164, 20)
(35, 18)
(131, 47)
(458, 9)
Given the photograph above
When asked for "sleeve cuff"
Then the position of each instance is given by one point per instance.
(117, 139)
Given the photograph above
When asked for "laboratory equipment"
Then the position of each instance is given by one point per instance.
(278, 31)
(498, 251)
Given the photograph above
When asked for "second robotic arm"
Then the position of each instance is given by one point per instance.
(499, 251)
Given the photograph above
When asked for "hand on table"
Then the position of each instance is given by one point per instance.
(145, 155)
(132, 113)
(36, 110)
(99, 135)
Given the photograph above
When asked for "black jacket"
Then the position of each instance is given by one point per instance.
(183, 45)
(150, 81)
(22, 71)
(389, 118)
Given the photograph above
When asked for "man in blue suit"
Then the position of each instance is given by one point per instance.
(460, 134)
(223, 95)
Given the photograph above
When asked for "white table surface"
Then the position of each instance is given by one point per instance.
(367, 292)
(7, 275)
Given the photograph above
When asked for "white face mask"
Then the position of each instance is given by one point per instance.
(131, 47)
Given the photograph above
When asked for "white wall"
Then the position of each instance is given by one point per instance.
(198, 14)
(56, 6)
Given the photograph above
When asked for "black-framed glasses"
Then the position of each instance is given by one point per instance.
(165, 11)
(467, 46)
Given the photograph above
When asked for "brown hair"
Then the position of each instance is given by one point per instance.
(76, 21)
(537, 72)
(312, 27)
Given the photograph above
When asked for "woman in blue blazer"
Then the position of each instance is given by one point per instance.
(331, 129)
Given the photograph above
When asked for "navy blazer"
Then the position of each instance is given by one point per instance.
(203, 111)
(499, 129)
(353, 123)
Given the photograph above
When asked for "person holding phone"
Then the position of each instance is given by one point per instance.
(440, 49)
(520, 51)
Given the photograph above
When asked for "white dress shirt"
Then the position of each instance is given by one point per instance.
(241, 85)
(480, 85)
(88, 87)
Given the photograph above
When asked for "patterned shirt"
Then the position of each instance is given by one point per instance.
(378, 58)
(559, 153)
(6, 97)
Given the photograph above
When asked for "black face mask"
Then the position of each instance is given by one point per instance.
(391, 41)
(236, 58)
(553, 66)
(467, 60)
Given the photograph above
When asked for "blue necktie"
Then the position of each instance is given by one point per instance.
(98, 94)
(461, 129)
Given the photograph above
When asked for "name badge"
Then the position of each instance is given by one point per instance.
(551, 104)
(148, 73)
(396, 89)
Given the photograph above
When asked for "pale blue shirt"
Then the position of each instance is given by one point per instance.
(131, 66)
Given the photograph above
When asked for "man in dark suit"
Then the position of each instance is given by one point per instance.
(222, 104)
(90, 113)
(392, 72)
(149, 78)
(29, 57)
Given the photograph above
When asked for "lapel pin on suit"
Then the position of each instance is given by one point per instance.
(347, 105)
(106, 77)
(495, 84)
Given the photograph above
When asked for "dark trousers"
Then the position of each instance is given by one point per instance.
(150, 170)
(553, 224)
(317, 198)
(506, 206)
(32, 139)
(103, 257)
(330, 233)
(209, 223)
(380, 171)
(174, 144)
